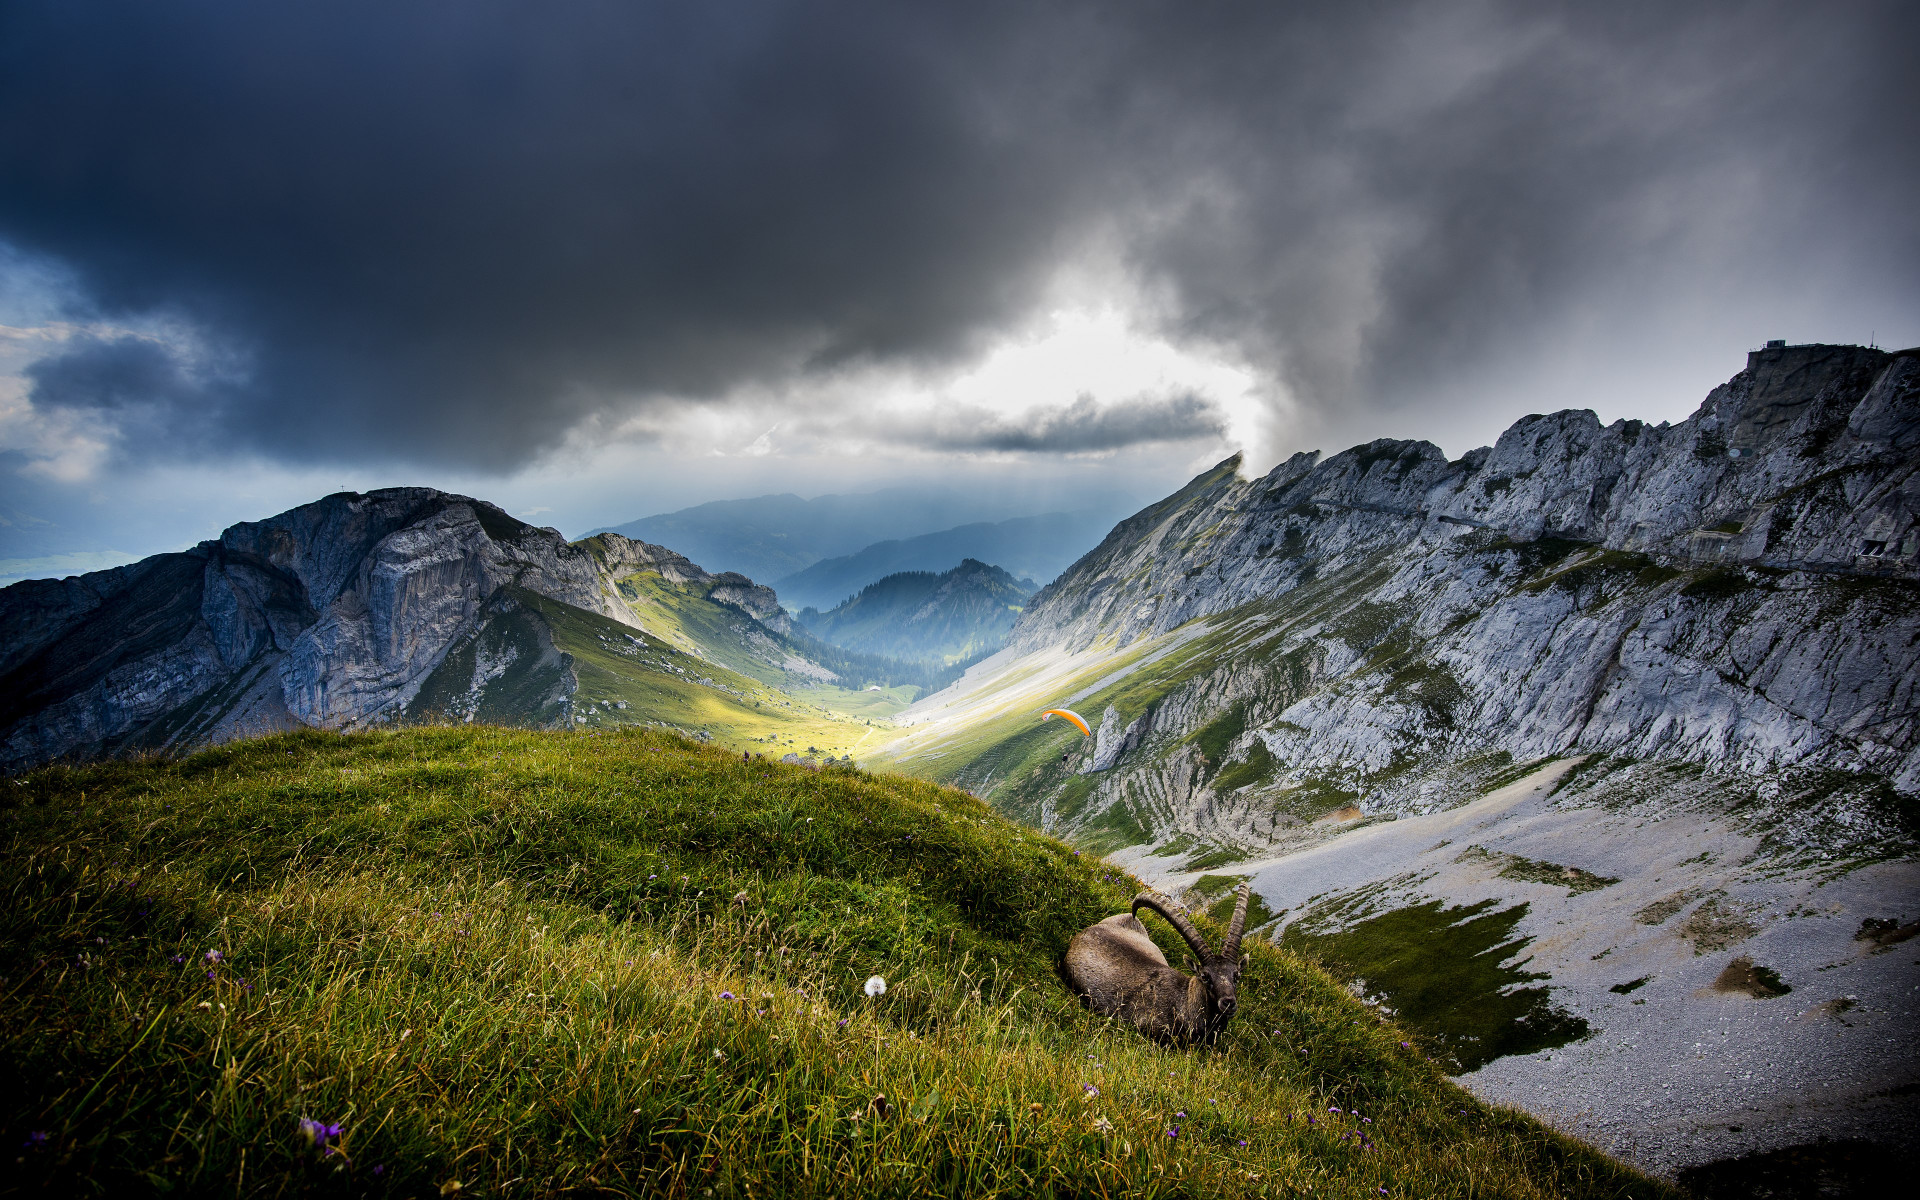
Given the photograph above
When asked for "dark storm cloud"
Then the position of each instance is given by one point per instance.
(452, 231)
(1075, 428)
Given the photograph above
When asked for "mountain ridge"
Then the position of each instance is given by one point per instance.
(1037, 547)
(945, 617)
(336, 614)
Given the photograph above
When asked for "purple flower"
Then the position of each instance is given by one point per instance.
(726, 995)
(1089, 1089)
(1405, 1046)
(1243, 1143)
(1173, 1131)
(36, 1140)
(1331, 1108)
(214, 956)
(843, 1022)
(379, 1168)
(319, 1133)
(178, 958)
(1076, 854)
(1312, 1121)
(1179, 1114)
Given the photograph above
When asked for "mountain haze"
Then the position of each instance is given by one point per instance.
(1036, 548)
(947, 618)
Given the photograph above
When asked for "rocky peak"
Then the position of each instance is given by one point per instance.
(330, 614)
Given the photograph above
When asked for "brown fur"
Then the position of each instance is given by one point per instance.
(1118, 970)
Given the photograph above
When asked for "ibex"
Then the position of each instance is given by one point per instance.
(1121, 973)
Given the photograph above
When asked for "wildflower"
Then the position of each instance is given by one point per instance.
(726, 995)
(1179, 1114)
(379, 1168)
(1173, 1131)
(1243, 1143)
(214, 956)
(177, 959)
(1331, 1108)
(36, 1140)
(318, 1133)
(1090, 1090)
(1102, 1125)
(876, 986)
(719, 1055)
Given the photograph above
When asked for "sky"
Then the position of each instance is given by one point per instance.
(607, 258)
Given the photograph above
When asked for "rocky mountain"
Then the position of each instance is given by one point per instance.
(1641, 701)
(406, 603)
(919, 615)
(1025, 547)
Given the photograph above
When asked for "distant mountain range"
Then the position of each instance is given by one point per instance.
(777, 537)
(949, 617)
(1037, 548)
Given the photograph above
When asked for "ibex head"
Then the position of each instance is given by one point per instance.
(1218, 974)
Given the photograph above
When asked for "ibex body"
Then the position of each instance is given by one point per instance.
(1120, 972)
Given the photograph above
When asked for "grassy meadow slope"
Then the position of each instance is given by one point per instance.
(621, 961)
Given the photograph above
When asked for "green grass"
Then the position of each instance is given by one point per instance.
(504, 958)
(1443, 972)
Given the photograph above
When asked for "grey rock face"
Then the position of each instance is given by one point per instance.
(1737, 591)
(328, 615)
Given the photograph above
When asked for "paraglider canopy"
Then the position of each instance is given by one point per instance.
(1070, 716)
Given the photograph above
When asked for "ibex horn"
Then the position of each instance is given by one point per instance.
(1230, 949)
(1175, 919)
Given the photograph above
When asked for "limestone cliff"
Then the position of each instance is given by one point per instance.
(1736, 590)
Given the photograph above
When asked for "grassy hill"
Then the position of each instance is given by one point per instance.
(623, 962)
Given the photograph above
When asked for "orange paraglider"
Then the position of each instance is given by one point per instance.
(1070, 716)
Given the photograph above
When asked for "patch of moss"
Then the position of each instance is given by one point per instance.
(1433, 686)
(1258, 768)
(1442, 971)
(1741, 976)
(1533, 870)
(1366, 624)
(1217, 735)
(1181, 843)
(1258, 913)
(1072, 797)
(1115, 829)
(1716, 925)
(1663, 909)
(1211, 887)
(1218, 857)
(1721, 583)
(1312, 798)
